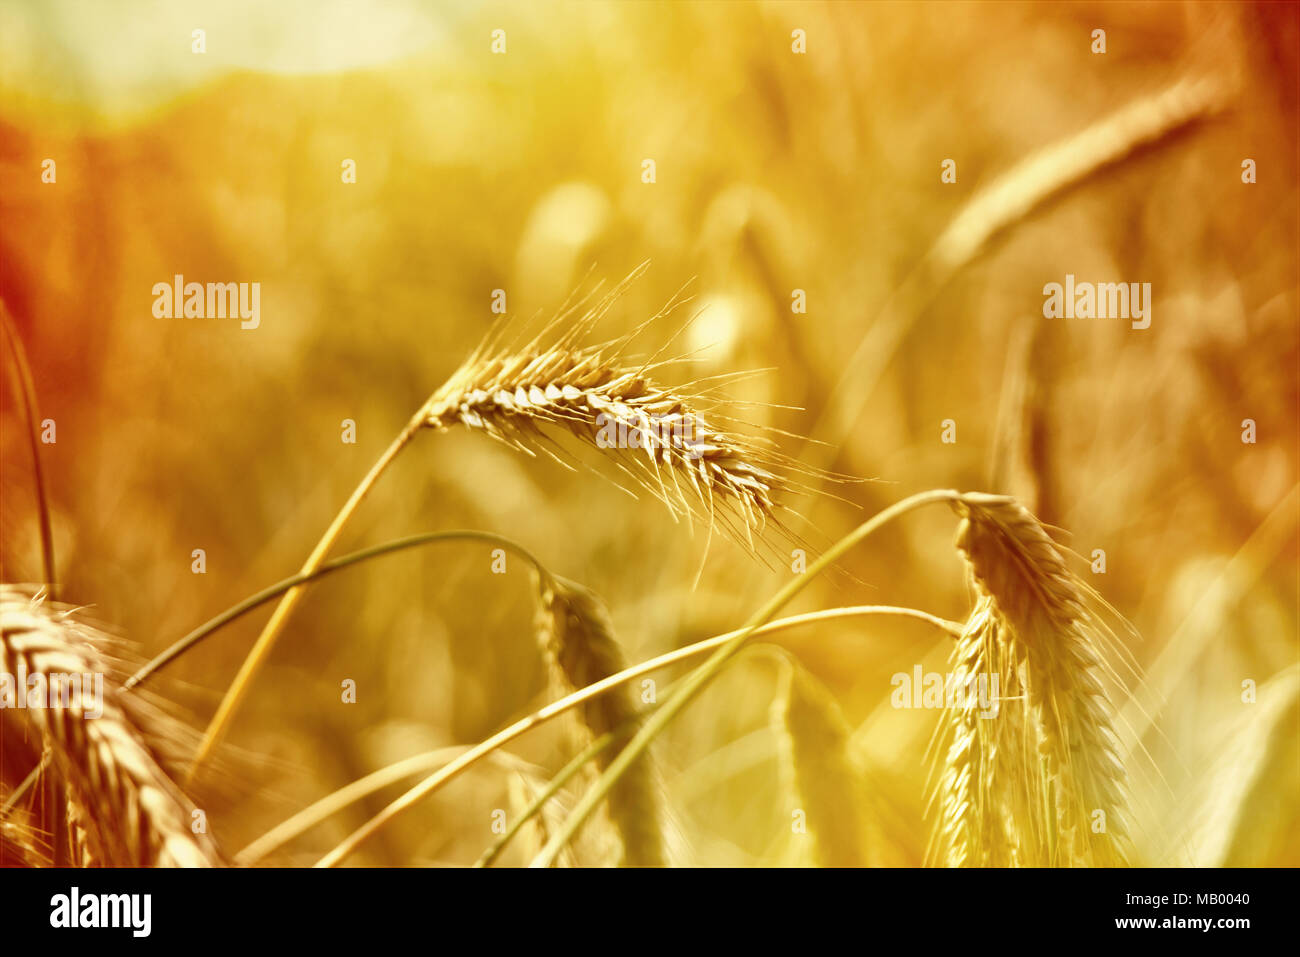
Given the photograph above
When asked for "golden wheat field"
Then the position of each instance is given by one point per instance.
(684, 434)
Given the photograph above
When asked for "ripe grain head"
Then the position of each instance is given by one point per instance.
(1036, 627)
(125, 809)
(577, 638)
(664, 440)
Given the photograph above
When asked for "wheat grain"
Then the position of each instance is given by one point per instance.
(125, 808)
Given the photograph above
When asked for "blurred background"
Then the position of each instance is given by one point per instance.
(774, 171)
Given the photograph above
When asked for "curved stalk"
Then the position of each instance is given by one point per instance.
(254, 601)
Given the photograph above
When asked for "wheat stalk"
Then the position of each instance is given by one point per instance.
(1034, 627)
(334, 802)
(577, 637)
(125, 808)
(25, 388)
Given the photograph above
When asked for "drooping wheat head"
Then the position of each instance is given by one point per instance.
(663, 439)
(1041, 783)
(577, 638)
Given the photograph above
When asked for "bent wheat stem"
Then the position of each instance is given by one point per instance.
(658, 437)
(25, 785)
(254, 601)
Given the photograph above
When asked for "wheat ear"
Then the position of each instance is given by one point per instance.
(662, 438)
(126, 809)
(1039, 632)
(577, 637)
(1043, 174)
